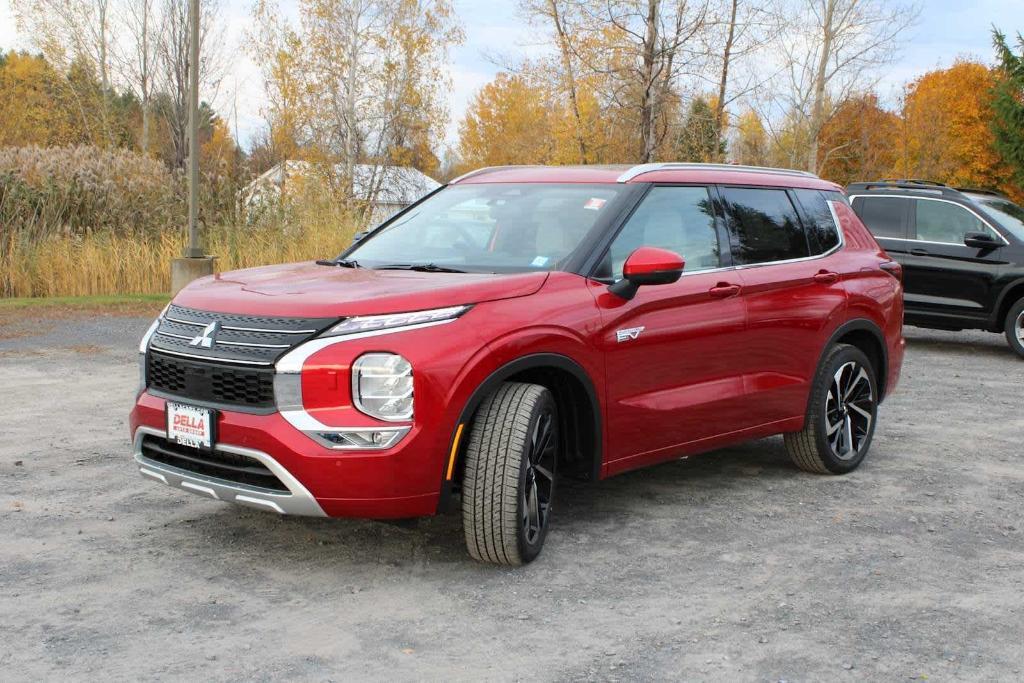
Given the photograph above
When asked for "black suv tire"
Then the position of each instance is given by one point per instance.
(840, 417)
(1014, 327)
(509, 478)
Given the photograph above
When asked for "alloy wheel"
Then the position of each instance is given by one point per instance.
(849, 410)
(540, 477)
(1018, 328)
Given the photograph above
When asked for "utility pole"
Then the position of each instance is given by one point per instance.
(195, 263)
(194, 248)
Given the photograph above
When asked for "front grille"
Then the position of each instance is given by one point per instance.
(240, 469)
(234, 339)
(209, 382)
(224, 359)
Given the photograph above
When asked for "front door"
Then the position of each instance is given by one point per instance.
(946, 281)
(675, 353)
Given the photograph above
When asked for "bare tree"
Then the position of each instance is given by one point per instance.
(832, 50)
(136, 56)
(643, 48)
(172, 52)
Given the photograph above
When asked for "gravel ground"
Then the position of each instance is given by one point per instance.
(729, 566)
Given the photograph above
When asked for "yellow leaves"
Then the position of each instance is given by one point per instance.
(946, 131)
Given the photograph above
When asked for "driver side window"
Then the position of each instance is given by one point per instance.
(680, 219)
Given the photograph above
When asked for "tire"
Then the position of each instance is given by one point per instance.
(511, 459)
(823, 446)
(1014, 328)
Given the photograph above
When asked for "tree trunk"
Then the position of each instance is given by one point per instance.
(818, 105)
(723, 82)
(570, 78)
(648, 108)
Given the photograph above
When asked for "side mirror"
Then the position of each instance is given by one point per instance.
(647, 266)
(981, 240)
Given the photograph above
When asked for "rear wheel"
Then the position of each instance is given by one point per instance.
(841, 416)
(1014, 328)
(511, 459)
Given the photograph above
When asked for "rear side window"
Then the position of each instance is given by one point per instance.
(822, 231)
(882, 215)
(763, 226)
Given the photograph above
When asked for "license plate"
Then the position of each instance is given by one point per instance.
(190, 426)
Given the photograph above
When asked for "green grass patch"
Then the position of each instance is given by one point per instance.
(86, 302)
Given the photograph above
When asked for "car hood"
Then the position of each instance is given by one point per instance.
(314, 291)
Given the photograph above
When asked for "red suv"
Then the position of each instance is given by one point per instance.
(521, 325)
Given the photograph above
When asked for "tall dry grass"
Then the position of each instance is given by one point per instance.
(82, 221)
(107, 263)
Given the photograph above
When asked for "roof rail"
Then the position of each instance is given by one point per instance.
(925, 186)
(641, 169)
(913, 181)
(981, 190)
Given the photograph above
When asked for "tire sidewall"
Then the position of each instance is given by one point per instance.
(528, 551)
(844, 354)
(1008, 327)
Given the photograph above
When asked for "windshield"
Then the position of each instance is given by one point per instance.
(1009, 216)
(492, 227)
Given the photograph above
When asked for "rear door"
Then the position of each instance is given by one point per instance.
(888, 219)
(943, 278)
(675, 354)
(789, 254)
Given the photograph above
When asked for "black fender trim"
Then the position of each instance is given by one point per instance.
(996, 321)
(494, 380)
(859, 325)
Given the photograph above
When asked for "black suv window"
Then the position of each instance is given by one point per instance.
(680, 219)
(822, 231)
(763, 226)
(882, 215)
(939, 221)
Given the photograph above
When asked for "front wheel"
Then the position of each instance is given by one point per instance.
(509, 481)
(841, 415)
(1014, 328)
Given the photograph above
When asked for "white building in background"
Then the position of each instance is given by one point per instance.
(388, 189)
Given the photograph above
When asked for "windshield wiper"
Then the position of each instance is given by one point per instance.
(420, 267)
(344, 263)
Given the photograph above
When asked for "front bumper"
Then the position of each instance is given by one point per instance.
(399, 482)
(297, 501)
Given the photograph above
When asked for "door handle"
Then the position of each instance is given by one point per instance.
(724, 290)
(826, 277)
(919, 252)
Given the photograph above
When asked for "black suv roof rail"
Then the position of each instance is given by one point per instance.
(980, 190)
(910, 185)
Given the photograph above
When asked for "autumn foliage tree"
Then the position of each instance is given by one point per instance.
(859, 141)
(945, 129)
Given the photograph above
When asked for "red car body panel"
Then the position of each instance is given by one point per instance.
(723, 356)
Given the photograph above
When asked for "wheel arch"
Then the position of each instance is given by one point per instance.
(1011, 294)
(869, 338)
(578, 407)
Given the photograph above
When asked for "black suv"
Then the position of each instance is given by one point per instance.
(962, 252)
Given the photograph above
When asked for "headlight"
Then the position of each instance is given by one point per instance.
(373, 323)
(382, 386)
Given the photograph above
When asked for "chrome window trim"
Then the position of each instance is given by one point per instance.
(824, 254)
(974, 213)
(297, 501)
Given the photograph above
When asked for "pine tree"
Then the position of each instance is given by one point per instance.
(700, 139)
(1008, 104)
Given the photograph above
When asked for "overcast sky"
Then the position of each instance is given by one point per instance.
(947, 29)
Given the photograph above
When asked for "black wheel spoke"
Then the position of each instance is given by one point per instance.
(849, 410)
